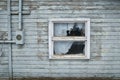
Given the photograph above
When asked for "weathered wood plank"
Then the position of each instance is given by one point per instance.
(32, 58)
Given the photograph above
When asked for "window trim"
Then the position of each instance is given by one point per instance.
(69, 20)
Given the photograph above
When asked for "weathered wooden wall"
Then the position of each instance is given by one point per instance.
(31, 60)
(3, 47)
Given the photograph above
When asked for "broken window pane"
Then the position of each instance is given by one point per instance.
(69, 29)
(69, 47)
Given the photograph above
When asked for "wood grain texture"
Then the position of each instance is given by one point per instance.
(31, 59)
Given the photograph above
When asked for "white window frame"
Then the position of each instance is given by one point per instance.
(52, 38)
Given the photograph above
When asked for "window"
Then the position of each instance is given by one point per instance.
(69, 38)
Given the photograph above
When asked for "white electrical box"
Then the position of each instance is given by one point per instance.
(19, 37)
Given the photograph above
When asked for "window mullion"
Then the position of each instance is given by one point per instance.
(69, 38)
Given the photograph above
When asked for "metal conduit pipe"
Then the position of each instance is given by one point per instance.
(7, 42)
(20, 15)
(10, 34)
(9, 20)
(9, 38)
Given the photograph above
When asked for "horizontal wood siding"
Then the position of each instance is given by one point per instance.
(3, 47)
(31, 59)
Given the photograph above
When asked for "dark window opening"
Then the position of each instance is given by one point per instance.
(75, 31)
(76, 48)
(69, 29)
(69, 47)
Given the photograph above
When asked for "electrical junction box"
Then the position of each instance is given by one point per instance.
(19, 37)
